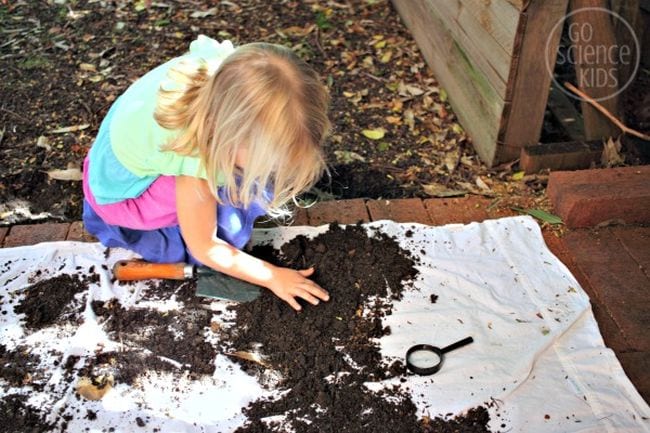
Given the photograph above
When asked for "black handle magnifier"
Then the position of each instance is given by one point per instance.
(424, 359)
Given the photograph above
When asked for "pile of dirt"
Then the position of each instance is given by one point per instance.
(151, 337)
(50, 301)
(18, 416)
(319, 358)
(326, 352)
(18, 366)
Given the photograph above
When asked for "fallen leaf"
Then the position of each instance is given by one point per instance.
(541, 215)
(44, 143)
(346, 157)
(374, 134)
(518, 175)
(88, 67)
(88, 390)
(611, 155)
(451, 160)
(438, 190)
(481, 184)
(203, 14)
(67, 174)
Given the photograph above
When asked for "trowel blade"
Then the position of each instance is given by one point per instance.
(213, 284)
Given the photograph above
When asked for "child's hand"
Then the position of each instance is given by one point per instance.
(288, 284)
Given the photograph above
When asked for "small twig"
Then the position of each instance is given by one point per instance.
(6, 110)
(607, 114)
(374, 77)
(317, 40)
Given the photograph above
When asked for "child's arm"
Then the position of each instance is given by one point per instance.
(197, 218)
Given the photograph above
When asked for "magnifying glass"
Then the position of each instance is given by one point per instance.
(424, 359)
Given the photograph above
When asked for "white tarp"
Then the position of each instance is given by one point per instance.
(538, 357)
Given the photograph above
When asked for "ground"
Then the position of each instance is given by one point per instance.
(65, 62)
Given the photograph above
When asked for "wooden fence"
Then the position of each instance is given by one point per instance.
(490, 56)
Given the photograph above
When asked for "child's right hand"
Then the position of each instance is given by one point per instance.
(287, 284)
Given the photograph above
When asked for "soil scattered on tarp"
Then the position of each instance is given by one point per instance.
(173, 335)
(324, 354)
(17, 365)
(50, 301)
(17, 416)
(319, 358)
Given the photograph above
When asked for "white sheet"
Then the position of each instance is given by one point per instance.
(538, 357)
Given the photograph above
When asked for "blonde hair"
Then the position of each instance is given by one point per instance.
(263, 97)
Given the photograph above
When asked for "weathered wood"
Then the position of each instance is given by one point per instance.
(519, 4)
(524, 114)
(571, 155)
(597, 74)
(471, 27)
(498, 18)
(566, 114)
(630, 12)
(473, 98)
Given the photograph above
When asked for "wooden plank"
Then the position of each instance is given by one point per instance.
(630, 11)
(519, 4)
(571, 155)
(524, 114)
(473, 99)
(486, 54)
(596, 74)
(566, 114)
(498, 18)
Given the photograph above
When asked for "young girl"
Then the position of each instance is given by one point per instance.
(198, 148)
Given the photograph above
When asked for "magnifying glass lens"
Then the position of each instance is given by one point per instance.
(423, 358)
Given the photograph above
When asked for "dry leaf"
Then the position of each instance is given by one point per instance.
(44, 143)
(90, 391)
(68, 174)
(88, 67)
(374, 134)
(611, 153)
(250, 356)
(438, 190)
(203, 14)
(451, 159)
(481, 184)
(346, 157)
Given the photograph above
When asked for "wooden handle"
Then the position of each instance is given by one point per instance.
(130, 270)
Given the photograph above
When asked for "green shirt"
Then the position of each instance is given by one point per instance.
(135, 135)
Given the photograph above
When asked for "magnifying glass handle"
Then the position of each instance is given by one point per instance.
(458, 344)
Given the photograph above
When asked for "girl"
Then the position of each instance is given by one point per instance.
(198, 148)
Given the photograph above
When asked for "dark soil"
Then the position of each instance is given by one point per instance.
(174, 335)
(18, 366)
(50, 301)
(18, 417)
(64, 64)
(326, 353)
(323, 355)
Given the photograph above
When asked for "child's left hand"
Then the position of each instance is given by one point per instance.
(287, 284)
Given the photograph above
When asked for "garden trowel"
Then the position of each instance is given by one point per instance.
(210, 283)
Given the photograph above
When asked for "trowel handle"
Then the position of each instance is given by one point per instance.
(129, 270)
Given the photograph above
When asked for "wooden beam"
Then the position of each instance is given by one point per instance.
(572, 155)
(529, 79)
(596, 73)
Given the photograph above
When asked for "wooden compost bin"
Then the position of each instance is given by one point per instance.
(489, 56)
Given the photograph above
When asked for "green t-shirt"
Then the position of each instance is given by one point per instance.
(135, 135)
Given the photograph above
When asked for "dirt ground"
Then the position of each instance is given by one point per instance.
(65, 61)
